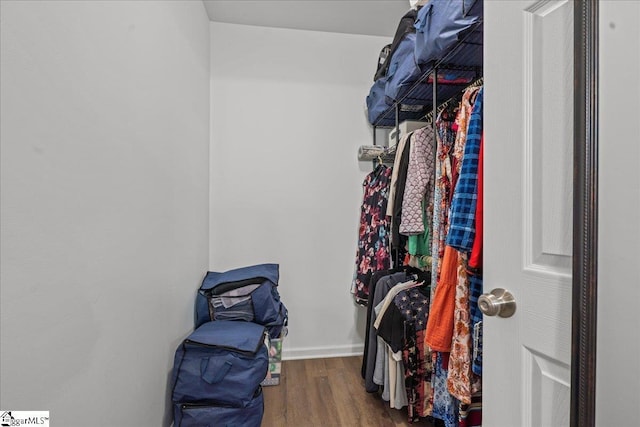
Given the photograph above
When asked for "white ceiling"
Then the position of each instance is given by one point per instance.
(373, 17)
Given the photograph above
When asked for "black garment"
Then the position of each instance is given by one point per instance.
(409, 308)
(403, 327)
(391, 328)
(372, 289)
(398, 241)
(381, 289)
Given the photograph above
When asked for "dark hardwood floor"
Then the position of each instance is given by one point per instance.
(327, 392)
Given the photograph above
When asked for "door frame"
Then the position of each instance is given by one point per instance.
(585, 215)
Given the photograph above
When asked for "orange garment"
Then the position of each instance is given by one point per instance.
(440, 323)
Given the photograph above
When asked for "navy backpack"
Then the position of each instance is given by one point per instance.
(405, 26)
(377, 101)
(403, 69)
(248, 293)
(217, 373)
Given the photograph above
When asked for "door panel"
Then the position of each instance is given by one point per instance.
(547, 393)
(548, 138)
(528, 124)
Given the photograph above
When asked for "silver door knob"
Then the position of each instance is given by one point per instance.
(499, 302)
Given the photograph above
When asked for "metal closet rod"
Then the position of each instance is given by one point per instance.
(437, 108)
(430, 116)
(423, 80)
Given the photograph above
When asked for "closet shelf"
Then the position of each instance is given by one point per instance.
(465, 58)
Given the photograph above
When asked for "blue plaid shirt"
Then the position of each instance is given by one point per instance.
(475, 290)
(462, 228)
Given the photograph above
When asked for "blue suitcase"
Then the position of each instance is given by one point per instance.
(221, 362)
(220, 415)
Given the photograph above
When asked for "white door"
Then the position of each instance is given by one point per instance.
(528, 122)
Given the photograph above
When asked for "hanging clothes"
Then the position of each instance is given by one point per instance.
(475, 260)
(445, 139)
(461, 127)
(414, 308)
(401, 328)
(419, 246)
(388, 302)
(463, 207)
(441, 313)
(370, 338)
(373, 240)
(475, 272)
(461, 237)
(382, 287)
(417, 203)
(398, 241)
(471, 415)
(459, 376)
(445, 406)
(419, 181)
(475, 290)
(394, 174)
(389, 370)
(452, 332)
(424, 346)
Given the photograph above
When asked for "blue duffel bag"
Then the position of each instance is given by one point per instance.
(248, 293)
(215, 414)
(439, 25)
(403, 69)
(222, 362)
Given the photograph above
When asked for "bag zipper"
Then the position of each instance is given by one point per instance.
(208, 405)
(223, 287)
(235, 350)
(214, 404)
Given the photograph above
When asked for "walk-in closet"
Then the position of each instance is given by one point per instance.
(321, 213)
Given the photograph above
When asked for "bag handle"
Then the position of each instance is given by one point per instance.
(213, 370)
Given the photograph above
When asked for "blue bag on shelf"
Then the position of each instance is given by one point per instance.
(377, 102)
(248, 293)
(403, 69)
(216, 414)
(439, 25)
(405, 26)
(221, 363)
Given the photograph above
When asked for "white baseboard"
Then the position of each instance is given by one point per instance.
(322, 352)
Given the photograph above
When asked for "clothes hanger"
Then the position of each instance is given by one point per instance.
(423, 277)
(380, 167)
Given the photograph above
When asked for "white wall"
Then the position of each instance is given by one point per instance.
(618, 361)
(287, 118)
(105, 133)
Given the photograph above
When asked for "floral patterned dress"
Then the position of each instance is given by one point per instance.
(373, 252)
